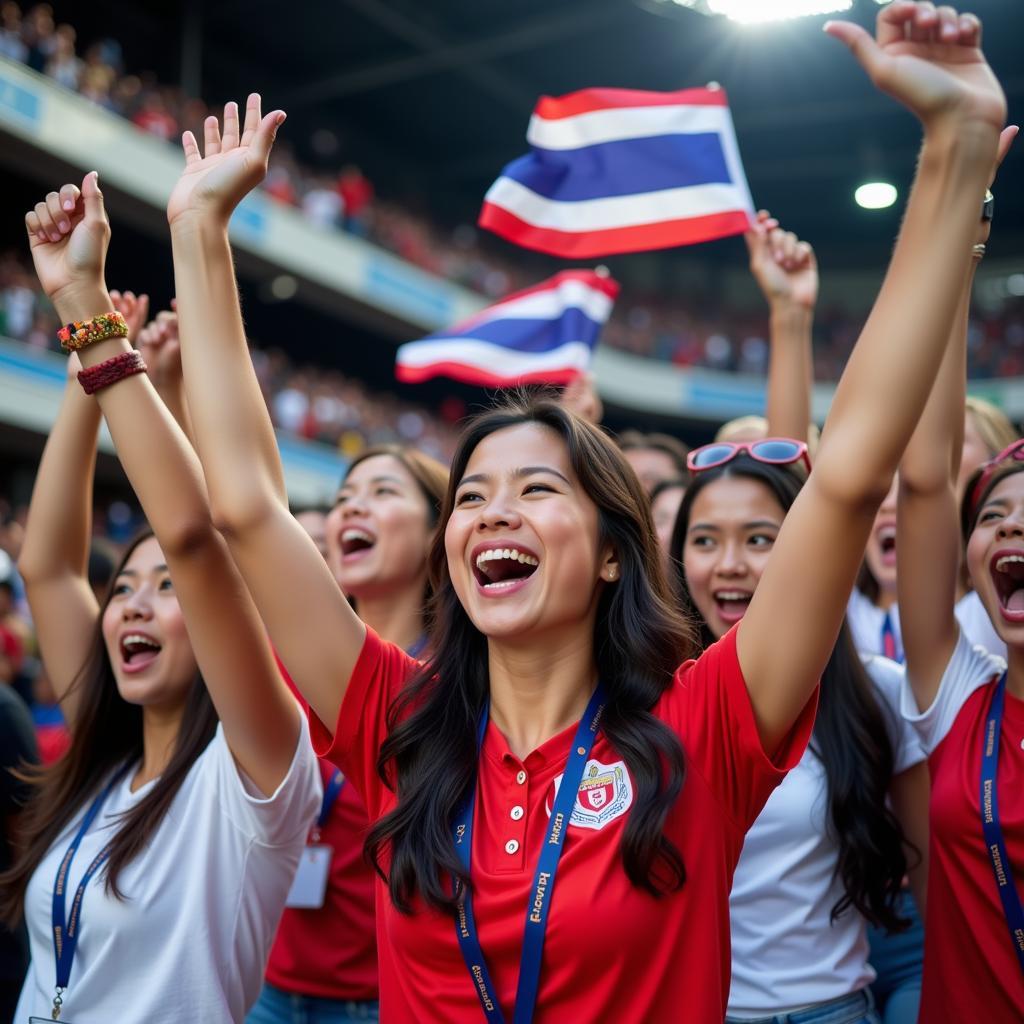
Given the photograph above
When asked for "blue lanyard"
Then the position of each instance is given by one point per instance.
(65, 930)
(543, 881)
(331, 792)
(890, 646)
(1002, 868)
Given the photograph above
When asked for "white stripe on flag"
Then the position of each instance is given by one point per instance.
(598, 126)
(494, 358)
(616, 211)
(551, 304)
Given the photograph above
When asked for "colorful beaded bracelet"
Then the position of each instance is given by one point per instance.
(80, 333)
(110, 371)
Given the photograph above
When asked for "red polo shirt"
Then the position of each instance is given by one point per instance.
(612, 952)
(971, 971)
(331, 952)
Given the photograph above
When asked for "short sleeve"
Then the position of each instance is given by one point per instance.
(282, 817)
(977, 626)
(709, 706)
(969, 668)
(890, 680)
(377, 679)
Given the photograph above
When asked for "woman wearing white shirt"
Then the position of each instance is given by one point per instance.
(826, 854)
(164, 841)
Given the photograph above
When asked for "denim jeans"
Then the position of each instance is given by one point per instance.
(897, 959)
(277, 1007)
(856, 1009)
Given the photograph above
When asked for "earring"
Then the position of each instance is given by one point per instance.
(613, 573)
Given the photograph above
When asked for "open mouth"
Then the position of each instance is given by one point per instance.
(356, 542)
(732, 604)
(500, 569)
(138, 651)
(1007, 570)
(887, 544)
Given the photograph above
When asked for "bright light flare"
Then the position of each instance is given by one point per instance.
(875, 195)
(751, 12)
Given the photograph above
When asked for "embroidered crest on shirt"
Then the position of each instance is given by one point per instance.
(605, 793)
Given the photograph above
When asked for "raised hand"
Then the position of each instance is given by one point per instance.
(215, 181)
(160, 349)
(784, 267)
(68, 233)
(930, 60)
(134, 308)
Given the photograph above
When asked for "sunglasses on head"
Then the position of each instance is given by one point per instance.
(1011, 453)
(775, 451)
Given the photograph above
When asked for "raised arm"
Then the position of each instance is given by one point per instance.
(786, 271)
(261, 720)
(55, 553)
(313, 627)
(927, 517)
(931, 62)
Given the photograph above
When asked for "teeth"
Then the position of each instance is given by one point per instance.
(1007, 560)
(139, 640)
(497, 554)
(501, 584)
(354, 534)
(732, 595)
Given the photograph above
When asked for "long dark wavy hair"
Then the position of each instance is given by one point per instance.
(851, 734)
(107, 735)
(640, 639)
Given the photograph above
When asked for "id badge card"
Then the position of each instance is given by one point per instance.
(310, 884)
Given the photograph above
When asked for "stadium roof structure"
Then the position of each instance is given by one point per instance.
(432, 99)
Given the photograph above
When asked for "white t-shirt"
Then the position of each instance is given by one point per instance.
(970, 666)
(191, 941)
(785, 951)
(866, 620)
(977, 626)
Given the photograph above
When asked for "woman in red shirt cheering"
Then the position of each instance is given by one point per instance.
(551, 610)
(967, 704)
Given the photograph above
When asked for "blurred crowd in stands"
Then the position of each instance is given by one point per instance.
(340, 411)
(309, 402)
(20, 666)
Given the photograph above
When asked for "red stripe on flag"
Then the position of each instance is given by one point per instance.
(484, 378)
(590, 278)
(664, 234)
(553, 108)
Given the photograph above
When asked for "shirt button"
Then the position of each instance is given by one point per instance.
(512, 846)
(521, 777)
(517, 812)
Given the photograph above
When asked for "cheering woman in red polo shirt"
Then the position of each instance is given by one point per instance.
(560, 798)
(967, 704)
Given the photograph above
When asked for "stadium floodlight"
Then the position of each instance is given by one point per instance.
(875, 195)
(759, 11)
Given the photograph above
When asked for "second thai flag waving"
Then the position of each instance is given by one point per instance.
(545, 334)
(619, 170)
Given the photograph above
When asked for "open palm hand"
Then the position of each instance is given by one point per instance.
(215, 181)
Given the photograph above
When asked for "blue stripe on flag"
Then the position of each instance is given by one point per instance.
(532, 335)
(621, 168)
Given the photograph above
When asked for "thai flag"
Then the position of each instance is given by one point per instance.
(545, 334)
(617, 170)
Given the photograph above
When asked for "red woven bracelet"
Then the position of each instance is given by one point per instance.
(110, 371)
